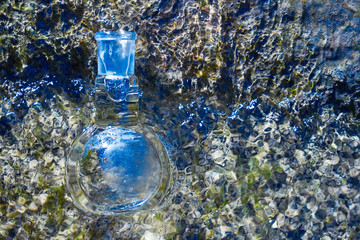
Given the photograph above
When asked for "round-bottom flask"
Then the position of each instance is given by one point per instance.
(117, 166)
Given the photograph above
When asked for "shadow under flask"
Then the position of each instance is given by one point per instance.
(117, 166)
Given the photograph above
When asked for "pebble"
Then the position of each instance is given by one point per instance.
(300, 156)
(217, 154)
(212, 177)
(332, 161)
(291, 213)
(280, 220)
(326, 238)
(48, 157)
(33, 164)
(224, 230)
(354, 172)
(151, 236)
(21, 200)
(7, 226)
(42, 198)
(21, 210)
(33, 206)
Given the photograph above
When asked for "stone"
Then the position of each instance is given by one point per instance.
(42, 198)
(300, 156)
(33, 206)
(21, 200)
(151, 236)
(33, 164)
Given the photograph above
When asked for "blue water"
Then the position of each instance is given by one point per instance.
(258, 101)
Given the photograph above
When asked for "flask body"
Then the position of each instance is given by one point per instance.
(117, 170)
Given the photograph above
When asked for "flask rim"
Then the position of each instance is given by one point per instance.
(115, 35)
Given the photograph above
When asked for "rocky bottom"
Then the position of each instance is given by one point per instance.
(250, 173)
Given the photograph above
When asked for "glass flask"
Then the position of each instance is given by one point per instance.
(117, 166)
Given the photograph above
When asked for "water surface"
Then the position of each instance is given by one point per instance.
(258, 102)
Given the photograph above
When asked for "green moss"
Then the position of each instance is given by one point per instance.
(54, 206)
(42, 183)
(37, 154)
(14, 192)
(203, 3)
(40, 133)
(163, 188)
(211, 193)
(158, 216)
(251, 180)
(14, 214)
(293, 91)
(16, 166)
(266, 172)
(80, 236)
(253, 163)
(171, 235)
(28, 227)
(245, 198)
(3, 207)
(210, 206)
(87, 159)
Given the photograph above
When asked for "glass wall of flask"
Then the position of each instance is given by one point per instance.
(117, 166)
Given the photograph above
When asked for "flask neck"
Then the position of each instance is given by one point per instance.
(116, 86)
(116, 101)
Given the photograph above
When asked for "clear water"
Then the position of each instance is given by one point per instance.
(259, 102)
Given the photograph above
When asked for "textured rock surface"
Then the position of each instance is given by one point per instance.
(259, 101)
